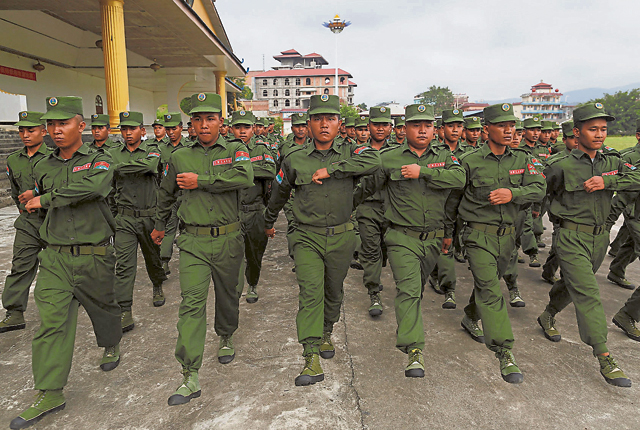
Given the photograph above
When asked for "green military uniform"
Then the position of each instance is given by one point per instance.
(350, 125)
(473, 123)
(27, 243)
(135, 184)
(399, 121)
(102, 120)
(165, 139)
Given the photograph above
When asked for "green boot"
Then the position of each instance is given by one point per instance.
(548, 324)
(375, 310)
(110, 358)
(14, 320)
(515, 299)
(165, 267)
(158, 296)
(226, 352)
(473, 329)
(508, 367)
(611, 372)
(327, 350)
(627, 324)
(190, 389)
(620, 281)
(533, 261)
(415, 368)
(252, 294)
(311, 372)
(47, 402)
(449, 300)
(126, 321)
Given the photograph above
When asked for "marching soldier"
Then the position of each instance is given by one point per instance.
(100, 130)
(399, 129)
(361, 126)
(351, 129)
(159, 133)
(473, 130)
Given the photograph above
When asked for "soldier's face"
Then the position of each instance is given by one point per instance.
(532, 134)
(174, 133)
(362, 134)
(401, 132)
(483, 135)
(592, 134)
(379, 131)
(351, 132)
(517, 138)
(555, 134)
(32, 136)
(259, 129)
(244, 132)
(299, 131)
(324, 127)
(159, 131)
(473, 134)
(66, 132)
(420, 133)
(570, 142)
(343, 128)
(100, 132)
(270, 129)
(501, 133)
(224, 129)
(130, 134)
(545, 136)
(207, 126)
(452, 131)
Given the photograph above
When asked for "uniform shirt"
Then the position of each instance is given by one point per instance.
(487, 172)
(134, 177)
(166, 149)
(289, 144)
(538, 151)
(158, 142)
(379, 196)
(73, 192)
(264, 170)
(106, 146)
(223, 170)
(20, 171)
(327, 204)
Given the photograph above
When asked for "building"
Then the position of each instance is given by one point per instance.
(543, 101)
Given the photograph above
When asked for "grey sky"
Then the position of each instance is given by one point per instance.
(489, 49)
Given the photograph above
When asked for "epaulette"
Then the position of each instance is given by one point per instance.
(468, 153)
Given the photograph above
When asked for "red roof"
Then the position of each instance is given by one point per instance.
(290, 51)
(542, 85)
(302, 72)
(353, 83)
(313, 54)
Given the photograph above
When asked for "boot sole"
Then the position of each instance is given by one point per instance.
(177, 399)
(448, 306)
(19, 423)
(622, 285)
(555, 338)
(618, 382)
(128, 328)
(542, 245)
(629, 335)
(158, 303)
(226, 359)
(327, 354)
(251, 300)
(375, 312)
(513, 378)
(107, 367)
(13, 327)
(535, 264)
(479, 339)
(517, 304)
(436, 288)
(414, 373)
(304, 380)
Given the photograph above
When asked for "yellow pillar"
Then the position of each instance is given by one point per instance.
(115, 58)
(221, 89)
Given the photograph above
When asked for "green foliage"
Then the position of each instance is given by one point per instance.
(440, 98)
(625, 106)
(363, 106)
(162, 111)
(278, 125)
(246, 93)
(346, 110)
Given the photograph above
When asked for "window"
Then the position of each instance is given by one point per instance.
(287, 103)
(298, 93)
(297, 81)
(275, 82)
(326, 90)
(99, 106)
(286, 81)
(342, 80)
(265, 93)
(286, 93)
(264, 82)
(297, 102)
(275, 103)
(308, 81)
(327, 81)
(275, 93)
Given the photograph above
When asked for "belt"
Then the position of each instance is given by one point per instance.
(498, 230)
(212, 231)
(137, 212)
(422, 235)
(76, 250)
(591, 229)
(251, 208)
(327, 231)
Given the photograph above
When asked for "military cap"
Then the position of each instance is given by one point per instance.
(63, 107)
(242, 117)
(185, 105)
(472, 122)
(591, 111)
(132, 119)
(399, 121)
(361, 121)
(29, 119)
(351, 121)
(380, 114)
(556, 125)
(266, 121)
(501, 112)
(532, 122)
(158, 121)
(299, 118)
(519, 125)
(439, 123)
(172, 119)
(205, 102)
(272, 120)
(547, 125)
(99, 119)
(452, 115)
(226, 121)
(343, 120)
(567, 129)
(324, 104)
(419, 112)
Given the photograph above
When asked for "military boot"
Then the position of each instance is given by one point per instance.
(449, 300)
(508, 368)
(110, 358)
(252, 294)
(459, 256)
(520, 259)
(190, 389)
(627, 324)
(611, 372)
(415, 368)
(47, 402)
(327, 350)
(165, 267)
(126, 321)
(312, 370)
(533, 261)
(375, 310)
(158, 296)
(473, 329)
(620, 281)
(550, 279)
(541, 244)
(433, 283)
(515, 299)
(226, 352)
(14, 320)
(548, 324)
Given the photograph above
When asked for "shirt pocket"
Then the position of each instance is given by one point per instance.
(482, 187)
(574, 195)
(398, 183)
(515, 181)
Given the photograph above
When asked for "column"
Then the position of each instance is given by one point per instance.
(221, 89)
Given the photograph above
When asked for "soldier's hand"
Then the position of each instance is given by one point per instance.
(594, 184)
(33, 204)
(157, 236)
(411, 171)
(25, 197)
(535, 214)
(187, 181)
(500, 196)
(270, 232)
(446, 244)
(320, 174)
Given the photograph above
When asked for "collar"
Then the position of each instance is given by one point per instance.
(42, 150)
(311, 147)
(83, 150)
(142, 147)
(578, 154)
(431, 148)
(485, 151)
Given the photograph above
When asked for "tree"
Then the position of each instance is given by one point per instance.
(346, 110)
(162, 111)
(440, 98)
(625, 106)
(278, 125)
(246, 93)
(363, 106)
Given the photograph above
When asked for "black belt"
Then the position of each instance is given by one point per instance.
(212, 231)
(326, 231)
(498, 230)
(137, 212)
(422, 235)
(591, 229)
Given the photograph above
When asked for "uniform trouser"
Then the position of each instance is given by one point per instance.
(580, 255)
(65, 282)
(621, 237)
(24, 266)
(291, 225)
(255, 243)
(372, 227)
(526, 239)
(632, 306)
(538, 227)
(322, 263)
(203, 258)
(166, 247)
(410, 260)
(550, 266)
(131, 231)
(445, 269)
(489, 256)
(626, 255)
(358, 248)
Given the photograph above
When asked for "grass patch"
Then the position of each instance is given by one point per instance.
(620, 142)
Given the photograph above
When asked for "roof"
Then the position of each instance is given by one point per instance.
(542, 85)
(302, 72)
(353, 84)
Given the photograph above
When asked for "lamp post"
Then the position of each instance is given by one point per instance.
(336, 26)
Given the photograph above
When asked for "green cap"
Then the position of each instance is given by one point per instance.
(324, 104)
(299, 118)
(591, 111)
(472, 122)
(99, 119)
(185, 105)
(263, 121)
(226, 121)
(29, 119)
(158, 121)
(205, 102)
(519, 125)
(500, 112)
(452, 115)
(63, 107)
(272, 120)
(567, 129)
(556, 125)
(242, 117)
(439, 123)
(419, 112)
(547, 125)
(132, 119)
(534, 122)
(351, 121)
(380, 114)
(399, 121)
(361, 121)
(172, 119)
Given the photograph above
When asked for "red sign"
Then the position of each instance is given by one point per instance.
(17, 73)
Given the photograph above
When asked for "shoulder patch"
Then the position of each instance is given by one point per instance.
(532, 169)
(454, 159)
(360, 149)
(268, 157)
(102, 165)
(629, 165)
(280, 176)
(153, 154)
(242, 156)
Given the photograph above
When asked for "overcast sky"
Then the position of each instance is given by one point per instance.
(488, 49)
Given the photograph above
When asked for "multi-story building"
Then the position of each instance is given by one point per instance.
(543, 101)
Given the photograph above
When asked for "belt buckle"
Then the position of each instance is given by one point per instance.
(597, 229)
(423, 235)
(215, 231)
(136, 213)
(75, 250)
(331, 231)
(501, 230)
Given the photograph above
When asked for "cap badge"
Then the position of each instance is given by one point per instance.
(421, 108)
(202, 97)
(456, 111)
(599, 106)
(94, 116)
(475, 118)
(324, 97)
(383, 109)
(168, 116)
(362, 117)
(300, 115)
(125, 114)
(242, 113)
(536, 119)
(505, 107)
(402, 117)
(23, 114)
(53, 101)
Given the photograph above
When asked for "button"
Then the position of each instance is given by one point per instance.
(69, 220)
(64, 181)
(206, 172)
(72, 238)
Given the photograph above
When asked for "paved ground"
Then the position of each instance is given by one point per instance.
(364, 383)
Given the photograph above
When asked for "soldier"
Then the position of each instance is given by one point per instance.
(400, 130)
(77, 266)
(27, 243)
(192, 135)
(351, 128)
(439, 131)
(135, 167)
(484, 137)
(323, 175)
(100, 130)
(418, 178)
(211, 174)
(160, 134)
(343, 129)
(496, 176)
(581, 186)
(224, 130)
(362, 130)
(473, 129)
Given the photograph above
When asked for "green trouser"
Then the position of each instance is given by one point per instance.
(625, 255)
(526, 239)
(550, 266)
(444, 272)
(410, 259)
(372, 227)
(632, 306)
(322, 263)
(580, 255)
(358, 248)
(203, 258)
(489, 256)
(255, 243)
(65, 282)
(131, 231)
(538, 227)
(621, 237)
(166, 247)
(24, 265)
(291, 224)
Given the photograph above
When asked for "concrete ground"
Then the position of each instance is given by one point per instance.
(364, 384)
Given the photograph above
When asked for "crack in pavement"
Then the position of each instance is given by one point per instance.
(353, 372)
